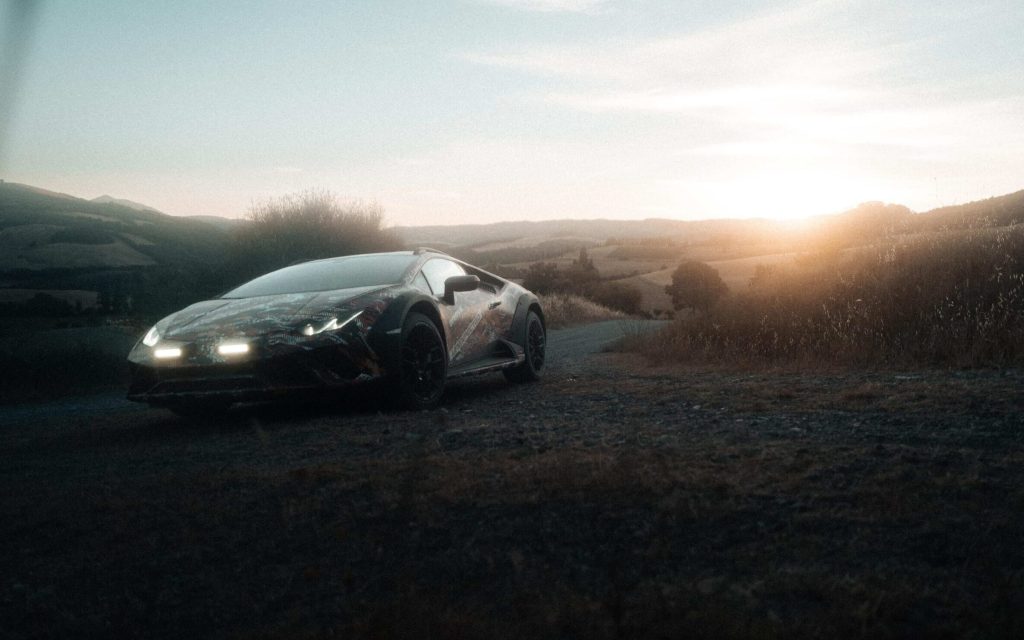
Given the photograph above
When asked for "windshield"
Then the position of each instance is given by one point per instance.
(325, 275)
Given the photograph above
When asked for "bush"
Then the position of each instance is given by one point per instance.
(953, 299)
(306, 226)
(695, 285)
(567, 309)
(618, 296)
(544, 277)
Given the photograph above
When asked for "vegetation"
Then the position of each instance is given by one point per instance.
(38, 365)
(944, 299)
(605, 503)
(306, 226)
(695, 285)
(582, 280)
(618, 296)
(543, 250)
(567, 309)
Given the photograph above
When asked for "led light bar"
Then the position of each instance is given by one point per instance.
(232, 348)
(167, 353)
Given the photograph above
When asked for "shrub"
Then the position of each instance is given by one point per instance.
(695, 285)
(953, 299)
(306, 226)
(616, 295)
(544, 277)
(566, 309)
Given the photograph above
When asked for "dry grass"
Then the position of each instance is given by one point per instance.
(670, 508)
(566, 309)
(946, 299)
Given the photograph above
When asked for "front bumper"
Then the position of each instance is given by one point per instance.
(267, 374)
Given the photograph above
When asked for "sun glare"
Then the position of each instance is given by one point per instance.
(791, 195)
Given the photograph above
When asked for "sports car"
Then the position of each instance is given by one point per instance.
(413, 319)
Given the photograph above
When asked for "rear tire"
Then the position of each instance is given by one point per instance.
(423, 365)
(535, 346)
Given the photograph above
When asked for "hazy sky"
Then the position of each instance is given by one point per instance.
(482, 110)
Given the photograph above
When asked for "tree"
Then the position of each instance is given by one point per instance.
(619, 296)
(306, 226)
(695, 285)
(543, 278)
(582, 270)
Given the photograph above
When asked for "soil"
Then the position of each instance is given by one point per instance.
(608, 500)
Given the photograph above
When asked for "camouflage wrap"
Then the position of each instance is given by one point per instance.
(291, 342)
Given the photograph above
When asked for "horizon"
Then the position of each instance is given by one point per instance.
(788, 221)
(483, 111)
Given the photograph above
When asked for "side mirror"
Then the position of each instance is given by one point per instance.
(459, 283)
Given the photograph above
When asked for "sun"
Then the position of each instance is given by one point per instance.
(785, 194)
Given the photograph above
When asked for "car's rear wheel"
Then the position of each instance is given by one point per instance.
(424, 363)
(535, 346)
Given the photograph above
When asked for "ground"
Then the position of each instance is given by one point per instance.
(608, 500)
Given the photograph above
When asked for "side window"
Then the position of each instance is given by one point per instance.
(420, 282)
(438, 270)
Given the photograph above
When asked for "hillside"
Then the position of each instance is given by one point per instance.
(42, 230)
(137, 206)
(596, 231)
(117, 249)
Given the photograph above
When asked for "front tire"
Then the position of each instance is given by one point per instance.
(423, 368)
(535, 346)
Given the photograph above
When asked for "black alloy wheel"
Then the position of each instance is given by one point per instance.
(424, 363)
(535, 346)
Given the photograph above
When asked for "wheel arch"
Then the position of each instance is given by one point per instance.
(527, 303)
(429, 310)
(387, 332)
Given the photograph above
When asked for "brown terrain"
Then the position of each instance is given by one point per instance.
(609, 500)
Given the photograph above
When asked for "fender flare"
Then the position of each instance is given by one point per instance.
(523, 304)
(385, 337)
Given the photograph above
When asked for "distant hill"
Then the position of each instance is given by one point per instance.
(43, 230)
(222, 223)
(999, 211)
(105, 199)
(861, 224)
(584, 231)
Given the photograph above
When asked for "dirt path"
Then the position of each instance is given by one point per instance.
(608, 500)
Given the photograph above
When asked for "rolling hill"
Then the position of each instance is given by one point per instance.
(54, 241)
(43, 230)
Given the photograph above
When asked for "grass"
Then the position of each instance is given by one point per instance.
(671, 509)
(937, 299)
(40, 364)
(566, 309)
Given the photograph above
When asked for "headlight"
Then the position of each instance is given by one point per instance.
(151, 338)
(167, 353)
(330, 325)
(233, 348)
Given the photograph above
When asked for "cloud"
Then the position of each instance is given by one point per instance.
(809, 74)
(552, 6)
(857, 99)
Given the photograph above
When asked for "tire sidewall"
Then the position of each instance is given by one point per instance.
(533, 318)
(406, 395)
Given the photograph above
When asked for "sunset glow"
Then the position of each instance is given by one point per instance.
(486, 110)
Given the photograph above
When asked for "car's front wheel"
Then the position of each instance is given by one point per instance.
(535, 346)
(424, 363)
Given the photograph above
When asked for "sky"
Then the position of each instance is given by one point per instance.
(475, 111)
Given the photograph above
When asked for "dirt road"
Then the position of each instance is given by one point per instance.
(608, 500)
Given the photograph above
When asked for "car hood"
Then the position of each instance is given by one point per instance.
(249, 317)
